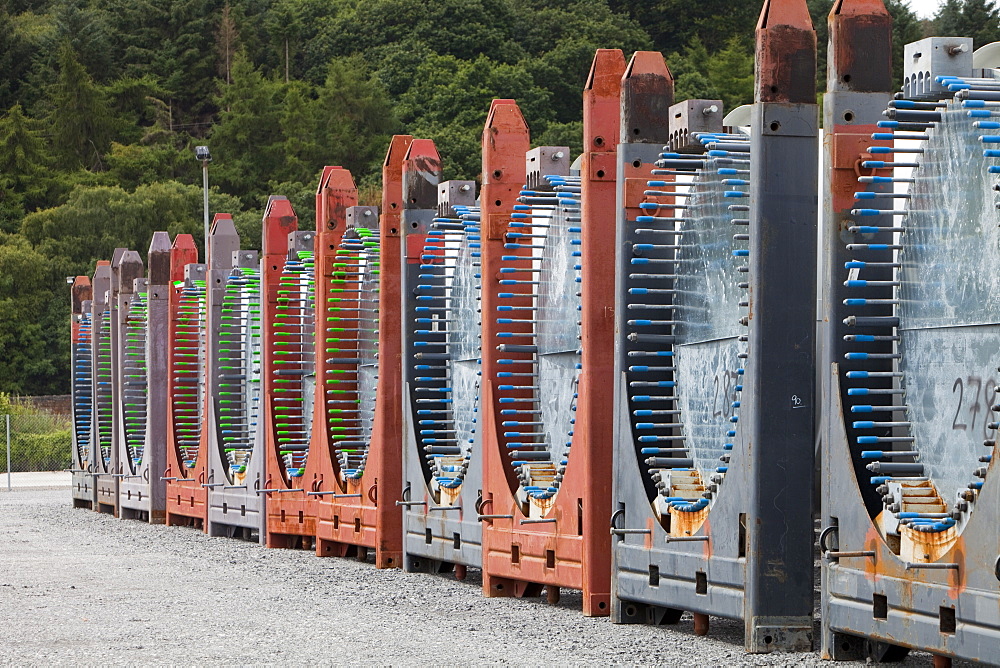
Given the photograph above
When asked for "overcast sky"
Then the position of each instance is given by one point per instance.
(925, 9)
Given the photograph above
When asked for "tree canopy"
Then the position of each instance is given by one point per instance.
(103, 101)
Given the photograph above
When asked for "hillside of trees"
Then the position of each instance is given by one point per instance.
(103, 101)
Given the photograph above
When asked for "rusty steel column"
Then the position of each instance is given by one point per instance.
(364, 515)
(186, 498)
(335, 195)
(290, 522)
(82, 389)
(593, 433)
(505, 142)
(560, 540)
(384, 471)
(158, 370)
(779, 402)
(859, 87)
(638, 597)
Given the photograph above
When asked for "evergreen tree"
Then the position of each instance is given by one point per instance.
(87, 31)
(24, 167)
(731, 72)
(15, 58)
(688, 69)
(246, 141)
(35, 346)
(354, 118)
(978, 19)
(80, 120)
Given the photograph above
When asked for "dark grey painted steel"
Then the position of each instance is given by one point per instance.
(653, 580)
(870, 603)
(779, 398)
(433, 539)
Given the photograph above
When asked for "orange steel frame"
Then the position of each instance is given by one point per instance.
(187, 499)
(574, 551)
(366, 515)
(292, 515)
(290, 519)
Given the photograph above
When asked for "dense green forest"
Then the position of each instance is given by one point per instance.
(103, 101)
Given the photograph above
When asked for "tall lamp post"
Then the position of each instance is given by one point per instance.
(202, 153)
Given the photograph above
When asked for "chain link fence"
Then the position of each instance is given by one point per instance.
(35, 449)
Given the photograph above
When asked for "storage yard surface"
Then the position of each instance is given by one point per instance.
(81, 587)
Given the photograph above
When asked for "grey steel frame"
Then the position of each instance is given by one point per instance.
(741, 563)
(233, 510)
(873, 603)
(142, 493)
(107, 479)
(81, 474)
(433, 540)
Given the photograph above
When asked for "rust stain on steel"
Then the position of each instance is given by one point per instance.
(647, 92)
(158, 259)
(82, 291)
(861, 45)
(786, 53)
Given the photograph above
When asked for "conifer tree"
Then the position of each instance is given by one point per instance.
(80, 119)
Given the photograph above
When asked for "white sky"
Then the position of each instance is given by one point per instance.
(925, 9)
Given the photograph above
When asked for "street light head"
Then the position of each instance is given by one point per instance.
(201, 152)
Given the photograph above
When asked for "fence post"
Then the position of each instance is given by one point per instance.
(8, 452)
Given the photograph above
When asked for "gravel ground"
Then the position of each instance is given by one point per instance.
(80, 587)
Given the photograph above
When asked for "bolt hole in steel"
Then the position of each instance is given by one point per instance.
(924, 320)
(598, 141)
(685, 302)
(600, 173)
(775, 125)
(847, 78)
(848, 116)
(636, 131)
(448, 356)
(497, 173)
(768, 640)
(538, 314)
(637, 163)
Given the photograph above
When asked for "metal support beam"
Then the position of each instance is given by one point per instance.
(779, 402)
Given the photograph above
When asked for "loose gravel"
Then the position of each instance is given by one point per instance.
(77, 587)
